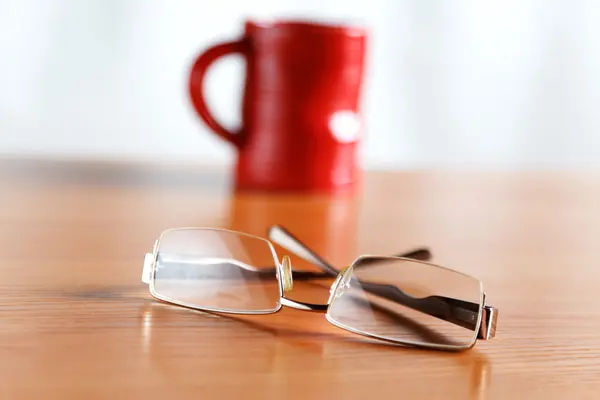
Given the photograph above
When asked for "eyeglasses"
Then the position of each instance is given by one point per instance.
(400, 299)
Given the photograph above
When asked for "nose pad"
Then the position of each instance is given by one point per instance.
(286, 266)
(340, 285)
(333, 288)
(344, 284)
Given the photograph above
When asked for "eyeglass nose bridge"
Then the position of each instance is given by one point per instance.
(335, 291)
(288, 284)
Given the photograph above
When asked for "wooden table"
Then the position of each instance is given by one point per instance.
(76, 322)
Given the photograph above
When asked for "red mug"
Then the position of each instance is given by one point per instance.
(300, 111)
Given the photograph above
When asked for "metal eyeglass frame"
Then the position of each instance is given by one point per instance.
(480, 318)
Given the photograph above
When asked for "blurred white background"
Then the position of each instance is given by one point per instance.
(510, 84)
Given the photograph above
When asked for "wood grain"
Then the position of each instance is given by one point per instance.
(77, 323)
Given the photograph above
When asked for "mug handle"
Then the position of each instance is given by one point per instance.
(197, 81)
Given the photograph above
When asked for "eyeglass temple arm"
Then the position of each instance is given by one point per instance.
(284, 238)
(418, 254)
(456, 311)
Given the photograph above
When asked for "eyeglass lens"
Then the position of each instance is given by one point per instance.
(408, 301)
(217, 270)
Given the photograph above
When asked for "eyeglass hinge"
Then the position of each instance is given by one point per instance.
(488, 323)
(147, 270)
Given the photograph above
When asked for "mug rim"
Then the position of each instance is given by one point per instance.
(314, 25)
